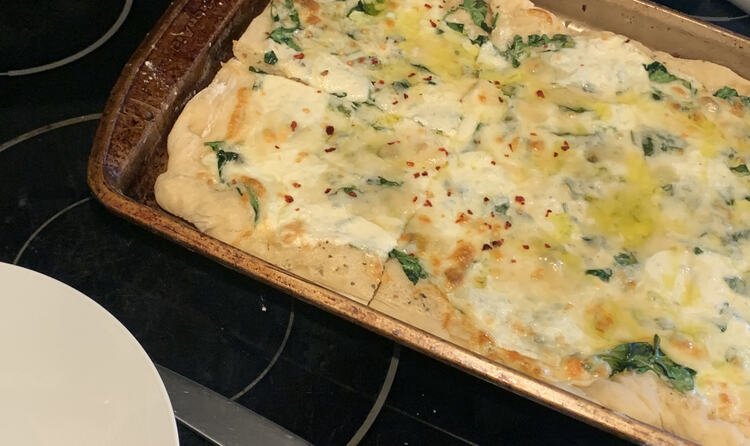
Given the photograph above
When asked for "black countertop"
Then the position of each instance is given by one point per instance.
(302, 368)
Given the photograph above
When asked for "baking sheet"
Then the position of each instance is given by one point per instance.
(181, 55)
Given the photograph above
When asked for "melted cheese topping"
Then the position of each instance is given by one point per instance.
(513, 185)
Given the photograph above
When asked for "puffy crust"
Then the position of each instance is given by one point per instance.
(645, 397)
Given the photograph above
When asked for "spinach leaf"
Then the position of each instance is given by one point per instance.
(348, 190)
(626, 259)
(737, 285)
(384, 182)
(480, 40)
(367, 8)
(270, 58)
(401, 86)
(515, 50)
(421, 67)
(728, 94)
(603, 274)
(477, 9)
(641, 357)
(255, 70)
(658, 73)
(574, 109)
(284, 36)
(518, 49)
(697, 251)
(458, 27)
(652, 140)
(222, 156)
(410, 264)
(734, 237)
(557, 40)
(253, 201)
(740, 170)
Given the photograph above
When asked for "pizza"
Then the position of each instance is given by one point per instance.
(564, 201)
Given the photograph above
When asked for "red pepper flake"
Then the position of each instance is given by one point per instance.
(276, 147)
(381, 82)
(406, 96)
(288, 198)
(361, 59)
(555, 154)
(547, 245)
(396, 142)
(296, 209)
(500, 99)
(492, 214)
(546, 214)
(519, 199)
(351, 193)
(510, 146)
(293, 125)
(449, 193)
(374, 61)
(507, 225)
(493, 162)
(434, 25)
(296, 184)
(440, 6)
(564, 147)
(437, 167)
(525, 246)
(468, 211)
(486, 199)
(410, 163)
(428, 78)
(328, 189)
(532, 134)
(428, 6)
(329, 130)
(330, 149)
(394, 102)
(412, 74)
(498, 243)
(416, 175)
(442, 149)
(428, 203)
(299, 56)
(627, 41)
(486, 247)
(414, 200)
(540, 94)
(462, 218)
(424, 173)
(512, 260)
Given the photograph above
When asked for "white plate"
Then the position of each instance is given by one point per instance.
(70, 373)
(742, 4)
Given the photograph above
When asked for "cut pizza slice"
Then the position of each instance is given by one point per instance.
(275, 166)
